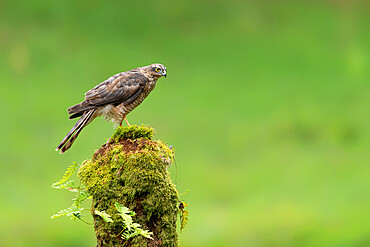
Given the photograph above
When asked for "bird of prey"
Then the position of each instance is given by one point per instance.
(114, 98)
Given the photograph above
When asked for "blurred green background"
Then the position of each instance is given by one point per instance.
(267, 104)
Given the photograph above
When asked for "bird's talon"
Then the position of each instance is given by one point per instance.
(106, 144)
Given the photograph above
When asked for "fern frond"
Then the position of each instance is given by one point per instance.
(136, 230)
(73, 212)
(67, 175)
(64, 185)
(81, 197)
(144, 233)
(106, 217)
(127, 235)
(133, 229)
(125, 214)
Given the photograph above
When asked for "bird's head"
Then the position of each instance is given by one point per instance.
(156, 70)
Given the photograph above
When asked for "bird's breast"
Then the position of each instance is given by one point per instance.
(129, 107)
(116, 114)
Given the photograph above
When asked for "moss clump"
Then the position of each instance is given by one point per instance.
(132, 170)
(133, 132)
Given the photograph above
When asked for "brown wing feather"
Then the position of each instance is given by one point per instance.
(123, 89)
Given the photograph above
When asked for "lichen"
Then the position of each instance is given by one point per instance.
(132, 170)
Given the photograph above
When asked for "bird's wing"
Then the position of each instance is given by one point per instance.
(107, 81)
(113, 77)
(123, 89)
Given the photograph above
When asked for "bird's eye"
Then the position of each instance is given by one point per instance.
(158, 69)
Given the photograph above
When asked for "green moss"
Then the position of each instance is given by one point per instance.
(133, 132)
(132, 170)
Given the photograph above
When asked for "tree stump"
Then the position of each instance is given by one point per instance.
(132, 170)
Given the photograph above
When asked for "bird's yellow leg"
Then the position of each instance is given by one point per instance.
(126, 121)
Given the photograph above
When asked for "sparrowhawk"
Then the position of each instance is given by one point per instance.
(114, 98)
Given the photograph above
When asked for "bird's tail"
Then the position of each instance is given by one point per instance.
(68, 140)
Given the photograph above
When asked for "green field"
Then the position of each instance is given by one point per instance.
(267, 104)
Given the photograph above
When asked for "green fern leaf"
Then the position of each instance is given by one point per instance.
(73, 212)
(144, 233)
(133, 229)
(80, 197)
(125, 214)
(106, 217)
(67, 175)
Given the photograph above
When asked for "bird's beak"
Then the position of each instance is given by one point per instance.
(164, 74)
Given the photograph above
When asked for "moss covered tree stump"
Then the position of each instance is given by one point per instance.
(132, 170)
